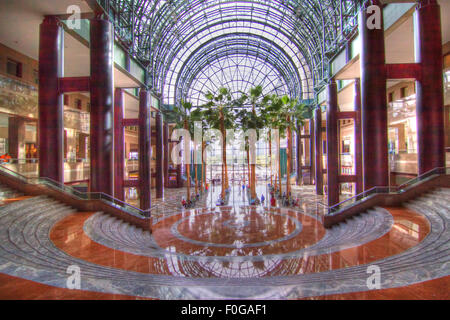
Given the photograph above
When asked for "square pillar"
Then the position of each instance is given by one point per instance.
(145, 150)
(430, 87)
(102, 111)
(16, 137)
(159, 156)
(332, 146)
(318, 154)
(358, 139)
(51, 107)
(119, 145)
(373, 102)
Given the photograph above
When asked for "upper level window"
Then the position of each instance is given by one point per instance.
(403, 92)
(14, 68)
(391, 97)
(78, 104)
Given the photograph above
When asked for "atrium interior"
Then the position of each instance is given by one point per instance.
(175, 149)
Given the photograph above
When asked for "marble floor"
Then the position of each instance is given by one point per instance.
(231, 252)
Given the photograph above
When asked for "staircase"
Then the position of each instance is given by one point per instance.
(389, 196)
(437, 200)
(8, 193)
(13, 184)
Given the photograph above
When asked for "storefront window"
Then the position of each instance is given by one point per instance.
(402, 139)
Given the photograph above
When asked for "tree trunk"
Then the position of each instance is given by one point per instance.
(253, 173)
(196, 173)
(248, 167)
(188, 171)
(270, 157)
(288, 156)
(203, 168)
(279, 163)
(224, 155)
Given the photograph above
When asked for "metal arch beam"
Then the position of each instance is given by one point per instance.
(327, 23)
(195, 58)
(275, 26)
(163, 73)
(280, 76)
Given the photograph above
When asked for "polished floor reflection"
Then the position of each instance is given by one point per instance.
(226, 252)
(205, 234)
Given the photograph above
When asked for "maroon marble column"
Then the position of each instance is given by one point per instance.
(311, 151)
(102, 97)
(429, 93)
(358, 139)
(16, 136)
(332, 145)
(119, 145)
(159, 156)
(166, 154)
(318, 154)
(373, 103)
(145, 134)
(299, 155)
(51, 107)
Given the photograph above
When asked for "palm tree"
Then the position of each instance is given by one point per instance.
(185, 115)
(197, 116)
(285, 113)
(251, 120)
(219, 115)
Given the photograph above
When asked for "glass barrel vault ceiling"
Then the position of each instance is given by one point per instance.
(190, 47)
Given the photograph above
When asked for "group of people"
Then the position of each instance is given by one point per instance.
(285, 200)
(190, 203)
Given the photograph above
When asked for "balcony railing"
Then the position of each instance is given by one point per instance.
(357, 199)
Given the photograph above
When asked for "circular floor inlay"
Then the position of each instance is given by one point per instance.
(237, 229)
(236, 224)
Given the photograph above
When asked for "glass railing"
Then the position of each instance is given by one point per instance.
(75, 170)
(359, 198)
(116, 203)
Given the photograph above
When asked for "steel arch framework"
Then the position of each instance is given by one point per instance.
(165, 35)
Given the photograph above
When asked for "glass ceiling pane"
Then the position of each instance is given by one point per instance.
(179, 40)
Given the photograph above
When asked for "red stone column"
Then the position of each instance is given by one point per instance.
(119, 145)
(102, 97)
(299, 155)
(16, 136)
(429, 93)
(318, 153)
(373, 103)
(311, 150)
(358, 139)
(166, 154)
(159, 157)
(51, 107)
(332, 145)
(145, 150)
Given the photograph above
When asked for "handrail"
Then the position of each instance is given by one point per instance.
(119, 204)
(383, 190)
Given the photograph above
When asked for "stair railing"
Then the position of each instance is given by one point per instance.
(352, 201)
(119, 204)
